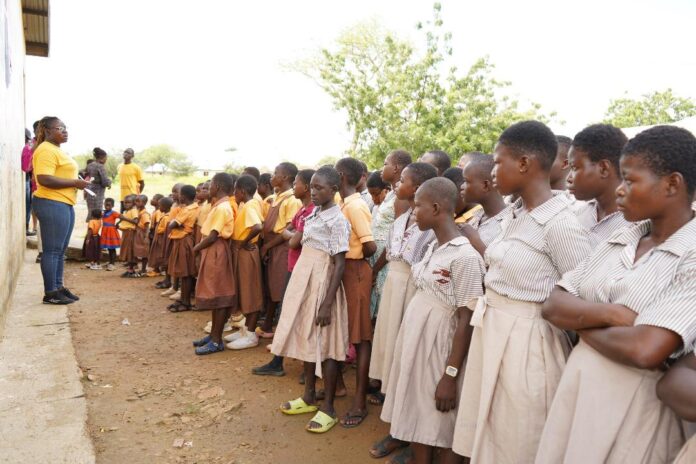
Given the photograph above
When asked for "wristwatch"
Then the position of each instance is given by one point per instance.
(452, 371)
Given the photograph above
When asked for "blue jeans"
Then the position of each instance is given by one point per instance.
(57, 221)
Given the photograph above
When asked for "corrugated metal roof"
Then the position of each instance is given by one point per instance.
(35, 14)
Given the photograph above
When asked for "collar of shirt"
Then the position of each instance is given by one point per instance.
(281, 196)
(547, 210)
(193, 205)
(327, 216)
(678, 243)
(350, 198)
(222, 200)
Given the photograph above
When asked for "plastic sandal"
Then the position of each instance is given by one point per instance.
(349, 416)
(202, 341)
(298, 406)
(179, 307)
(327, 422)
(210, 348)
(380, 450)
(263, 334)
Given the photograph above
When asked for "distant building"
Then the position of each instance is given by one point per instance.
(157, 169)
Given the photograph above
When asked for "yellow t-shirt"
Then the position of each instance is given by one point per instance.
(203, 212)
(187, 218)
(130, 214)
(163, 223)
(234, 205)
(358, 214)
(94, 226)
(129, 176)
(467, 215)
(156, 216)
(266, 205)
(288, 208)
(50, 160)
(220, 218)
(143, 219)
(250, 215)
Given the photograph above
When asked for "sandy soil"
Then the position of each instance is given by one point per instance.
(146, 389)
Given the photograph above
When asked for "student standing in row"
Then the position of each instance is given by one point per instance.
(182, 263)
(141, 243)
(157, 258)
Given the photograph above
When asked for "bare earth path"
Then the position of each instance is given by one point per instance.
(146, 389)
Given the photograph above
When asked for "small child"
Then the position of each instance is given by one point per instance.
(182, 263)
(110, 240)
(216, 288)
(172, 291)
(313, 325)
(204, 207)
(156, 217)
(142, 235)
(426, 372)
(127, 223)
(157, 257)
(91, 249)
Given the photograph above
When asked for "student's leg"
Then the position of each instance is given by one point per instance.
(144, 266)
(422, 454)
(310, 391)
(177, 283)
(330, 370)
(447, 456)
(186, 288)
(358, 411)
(112, 256)
(219, 318)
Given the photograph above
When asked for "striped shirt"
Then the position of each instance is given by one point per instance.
(367, 198)
(326, 230)
(452, 273)
(660, 287)
(599, 231)
(383, 217)
(488, 228)
(407, 245)
(535, 249)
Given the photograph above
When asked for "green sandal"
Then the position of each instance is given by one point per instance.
(327, 422)
(298, 406)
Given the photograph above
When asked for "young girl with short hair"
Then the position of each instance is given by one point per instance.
(110, 240)
(91, 250)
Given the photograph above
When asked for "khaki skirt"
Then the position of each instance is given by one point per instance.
(514, 366)
(156, 257)
(247, 267)
(687, 455)
(181, 260)
(216, 287)
(606, 412)
(422, 348)
(141, 243)
(127, 254)
(396, 295)
(297, 335)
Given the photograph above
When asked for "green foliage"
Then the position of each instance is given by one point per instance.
(232, 168)
(162, 154)
(182, 167)
(395, 97)
(327, 160)
(111, 165)
(651, 108)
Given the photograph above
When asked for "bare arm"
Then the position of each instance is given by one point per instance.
(369, 249)
(253, 233)
(446, 392)
(677, 388)
(142, 185)
(207, 241)
(324, 313)
(380, 263)
(474, 238)
(296, 240)
(55, 182)
(569, 312)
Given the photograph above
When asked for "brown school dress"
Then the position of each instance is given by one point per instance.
(127, 254)
(216, 287)
(181, 260)
(277, 265)
(91, 250)
(247, 267)
(141, 243)
(357, 281)
(156, 257)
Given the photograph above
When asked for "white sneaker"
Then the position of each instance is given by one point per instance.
(250, 341)
(235, 335)
(176, 295)
(168, 292)
(238, 323)
(95, 267)
(88, 265)
(110, 267)
(209, 327)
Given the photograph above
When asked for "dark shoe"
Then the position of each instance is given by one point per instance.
(69, 294)
(57, 298)
(210, 348)
(267, 369)
(38, 258)
(202, 341)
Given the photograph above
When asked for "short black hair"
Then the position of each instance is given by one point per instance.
(442, 191)
(157, 196)
(531, 138)
(374, 180)
(305, 175)
(421, 172)
(330, 175)
(96, 214)
(109, 200)
(483, 164)
(601, 141)
(289, 169)
(166, 201)
(224, 181)
(352, 169)
(98, 153)
(188, 192)
(666, 149)
(402, 158)
(246, 184)
(130, 197)
(253, 172)
(454, 174)
(142, 197)
(442, 159)
(563, 140)
(265, 179)
(365, 169)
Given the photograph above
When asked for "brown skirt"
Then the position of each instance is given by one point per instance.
(181, 260)
(141, 244)
(247, 267)
(276, 269)
(90, 249)
(156, 257)
(216, 286)
(128, 246)
(357, 281)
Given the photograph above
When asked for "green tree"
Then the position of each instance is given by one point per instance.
(649, 109)
(397, 97)
(161, 154)
(183, 167)
(111, 166)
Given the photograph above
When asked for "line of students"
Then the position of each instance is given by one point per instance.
(472, 350)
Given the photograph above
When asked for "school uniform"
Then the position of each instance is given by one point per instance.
(516, 357)
(357, 278)
(605, 411)
(128, 236)
(687, 455)
(298, 225)
(141, 243)
(405, 247)
(281, 212)
(449, 277)
(181, 260)
(91, 249)
(110, 240)
(367, 198)
(157, 258)
(382, 220)
(488, 227)
(599, 231)
(203, 211)
(216, 287)
(326, 234)
(247, 263)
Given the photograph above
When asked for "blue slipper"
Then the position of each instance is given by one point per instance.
(210, 348)
(202, 341)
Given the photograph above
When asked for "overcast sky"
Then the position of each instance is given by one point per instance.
(207, 75)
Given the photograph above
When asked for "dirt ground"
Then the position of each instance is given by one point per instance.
(146, 389)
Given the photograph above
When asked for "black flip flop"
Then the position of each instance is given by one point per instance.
(349, 416)
(381, 447)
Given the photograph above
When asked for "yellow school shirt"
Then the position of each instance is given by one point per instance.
(156, 216)
(234, 205)
(129, 175)
(220, 218)
(266, 205)
(187, 218)
(143, 219)
(250, 215)
(358, 214)
(203, 212)
(288, 208)
(467, 215)
(130, 214)
(50, 160)
(163, 223)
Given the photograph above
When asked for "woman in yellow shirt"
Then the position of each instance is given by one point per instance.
(57, 182)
